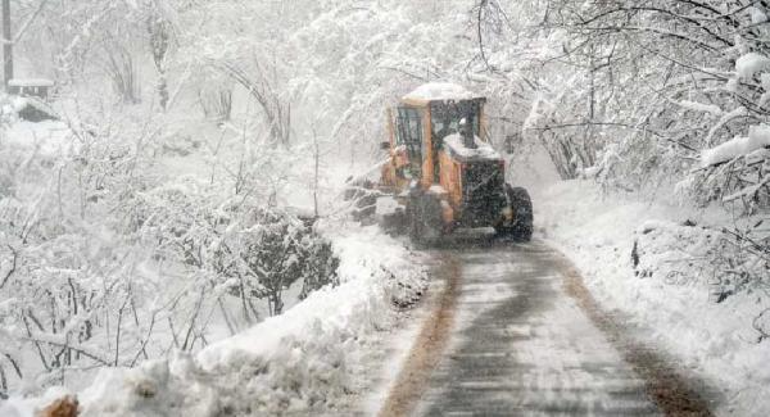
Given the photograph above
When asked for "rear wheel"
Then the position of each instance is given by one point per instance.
(522, 224)
(523, 214)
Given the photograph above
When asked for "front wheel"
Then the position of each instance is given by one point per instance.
(425, 223)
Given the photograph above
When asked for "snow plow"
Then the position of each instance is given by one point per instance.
(441, 174)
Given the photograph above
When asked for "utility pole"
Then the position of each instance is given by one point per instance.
(7, 44)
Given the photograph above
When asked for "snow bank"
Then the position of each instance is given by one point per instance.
(295, 362)
(484, 150)
(759, 137)
(645, 261)
(439, 92)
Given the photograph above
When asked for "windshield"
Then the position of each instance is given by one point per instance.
(409, 134)
(446, 117)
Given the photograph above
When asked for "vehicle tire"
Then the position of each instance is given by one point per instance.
(425, 223)
(413, 217)
(523, 216)
(521, 226)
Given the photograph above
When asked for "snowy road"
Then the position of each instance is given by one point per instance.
(516, 340)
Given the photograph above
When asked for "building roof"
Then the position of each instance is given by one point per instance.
(30, 82)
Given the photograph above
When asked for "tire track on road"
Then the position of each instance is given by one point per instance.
(659, 378)
(427, 350)
(674, 393)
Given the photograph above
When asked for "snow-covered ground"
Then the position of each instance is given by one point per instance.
(316, 356)
(670, 294)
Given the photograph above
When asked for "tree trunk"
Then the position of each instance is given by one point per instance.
(7, 44)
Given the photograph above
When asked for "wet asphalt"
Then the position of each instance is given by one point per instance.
(520, 346)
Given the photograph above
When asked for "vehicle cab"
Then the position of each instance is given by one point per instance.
(437, 144)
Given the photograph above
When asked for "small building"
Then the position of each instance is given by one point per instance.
(30, 87)
(31, 98)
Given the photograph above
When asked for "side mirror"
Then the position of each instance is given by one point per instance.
(385, 146)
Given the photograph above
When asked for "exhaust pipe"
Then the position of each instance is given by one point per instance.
(467, 133)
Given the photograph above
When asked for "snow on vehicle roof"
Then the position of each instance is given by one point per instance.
(454, 143)
(440, 91)
(30, 82)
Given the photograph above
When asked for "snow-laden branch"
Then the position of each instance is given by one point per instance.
(712, 109)
(748, 191)
(12, 269)
(56, 340)
(759, 137)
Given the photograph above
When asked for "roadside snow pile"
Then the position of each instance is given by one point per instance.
(682, 282)
(691, 255)
(672, 252)
(295, 362)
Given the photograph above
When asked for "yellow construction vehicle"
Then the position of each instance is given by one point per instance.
(442, 174)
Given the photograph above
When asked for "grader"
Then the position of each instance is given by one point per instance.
(441, 174)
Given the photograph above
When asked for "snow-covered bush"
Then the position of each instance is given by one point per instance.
(111, 262)
(278, 250)
(652, 90)
(664, 97)
(304, 361)
(320, 265)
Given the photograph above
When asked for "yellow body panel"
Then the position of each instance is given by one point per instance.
(427, 159)
(450, 179)
(398, 160)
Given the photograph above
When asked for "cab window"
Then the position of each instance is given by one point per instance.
(409, 134)
(446, 117)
